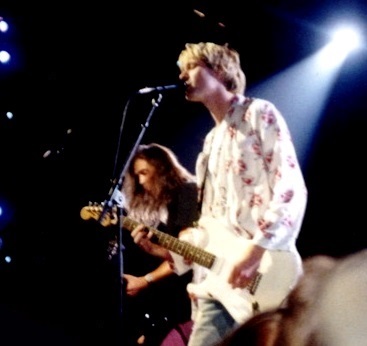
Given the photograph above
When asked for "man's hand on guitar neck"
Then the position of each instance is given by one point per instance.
(143, 238)
(247, 268)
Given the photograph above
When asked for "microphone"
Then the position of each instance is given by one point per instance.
(147, 90)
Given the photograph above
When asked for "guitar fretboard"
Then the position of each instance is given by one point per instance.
(182, 248)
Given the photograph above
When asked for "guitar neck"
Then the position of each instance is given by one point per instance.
(182, 248)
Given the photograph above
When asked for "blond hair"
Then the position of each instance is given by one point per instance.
(224, 61)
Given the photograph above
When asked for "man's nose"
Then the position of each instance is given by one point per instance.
(182, 76)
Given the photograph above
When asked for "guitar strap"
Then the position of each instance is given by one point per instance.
(202, 187)
(201, 190)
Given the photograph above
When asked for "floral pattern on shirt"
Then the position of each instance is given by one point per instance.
(253, 181)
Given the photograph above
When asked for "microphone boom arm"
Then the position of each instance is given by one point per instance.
(116, 197)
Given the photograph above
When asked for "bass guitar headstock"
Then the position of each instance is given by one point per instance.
(94, 211)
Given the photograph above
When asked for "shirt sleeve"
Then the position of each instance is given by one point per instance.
(280, 217)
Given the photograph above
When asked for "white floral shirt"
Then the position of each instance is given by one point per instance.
(252, 178)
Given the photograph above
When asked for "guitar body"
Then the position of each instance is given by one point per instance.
(278, 274)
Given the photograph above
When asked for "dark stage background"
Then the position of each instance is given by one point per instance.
(75, 69)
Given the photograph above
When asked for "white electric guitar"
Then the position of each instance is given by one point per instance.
(218, 251)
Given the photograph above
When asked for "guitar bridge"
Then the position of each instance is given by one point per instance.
(253, 285)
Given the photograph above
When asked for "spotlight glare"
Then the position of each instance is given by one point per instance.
(3, 25)
(346, 39)
(4, 56)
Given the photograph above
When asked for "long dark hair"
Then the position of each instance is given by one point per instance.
(170, 174)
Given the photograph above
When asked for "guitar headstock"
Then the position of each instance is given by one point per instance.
(94, 211)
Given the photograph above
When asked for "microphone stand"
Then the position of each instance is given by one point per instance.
(116, 198)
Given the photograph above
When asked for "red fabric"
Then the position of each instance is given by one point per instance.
(178, 336)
